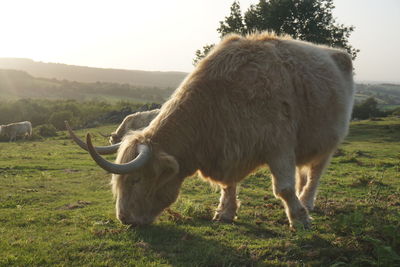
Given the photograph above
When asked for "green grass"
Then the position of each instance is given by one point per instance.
(56, 209)
(388, 107)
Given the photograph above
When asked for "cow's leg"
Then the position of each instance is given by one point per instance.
(283, 170)
(228, 204)
(309, 191)
(301, 179)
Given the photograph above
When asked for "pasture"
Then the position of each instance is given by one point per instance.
(56, 208)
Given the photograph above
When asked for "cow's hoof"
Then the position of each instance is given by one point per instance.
(301, 220)
(220, 217)
(297, 225)
(301, 223)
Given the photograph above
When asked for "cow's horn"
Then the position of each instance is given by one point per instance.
(105, 135)
(136, 163)
(100, 149)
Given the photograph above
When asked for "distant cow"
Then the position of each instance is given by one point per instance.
(13, 130)
(253, 100)
(134, 121)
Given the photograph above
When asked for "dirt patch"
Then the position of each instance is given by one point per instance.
(78, 205)
(339, 152)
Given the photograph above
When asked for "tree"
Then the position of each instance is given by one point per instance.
(308, 20)
(234, 23)
(367, 109)
(202, 53)
(57, 119)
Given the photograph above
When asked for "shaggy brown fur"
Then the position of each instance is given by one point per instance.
(253, 100)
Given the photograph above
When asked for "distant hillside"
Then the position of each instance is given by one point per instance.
(384, 93)
(15, 84)
(89, 75)
(20, 84)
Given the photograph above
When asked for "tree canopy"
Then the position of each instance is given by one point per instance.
(368, 109)
(308, 20)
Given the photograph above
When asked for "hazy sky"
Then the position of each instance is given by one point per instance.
(164, 35)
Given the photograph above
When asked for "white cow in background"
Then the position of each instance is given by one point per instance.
(136, 121)
(15, 129)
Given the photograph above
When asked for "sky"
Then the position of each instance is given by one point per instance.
(161, 35)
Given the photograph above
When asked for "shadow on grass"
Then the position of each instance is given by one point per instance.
(180, 247)
(345, 235)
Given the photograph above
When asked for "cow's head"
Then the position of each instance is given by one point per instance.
(145, 181)
(5, 130)
(114, 138)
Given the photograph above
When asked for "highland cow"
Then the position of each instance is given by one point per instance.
(254, 100)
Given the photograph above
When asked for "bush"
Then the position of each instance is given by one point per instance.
(45, 130)
(79, 113)
(396, 112)
(57, 119)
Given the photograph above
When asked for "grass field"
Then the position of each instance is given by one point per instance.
(56, 209)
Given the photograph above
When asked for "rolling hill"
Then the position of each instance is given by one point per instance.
(384, 93)
(16, 84)
(19, 79)
(89, 75)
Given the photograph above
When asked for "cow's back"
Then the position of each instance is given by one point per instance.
(320, 95)
(138, 120)
(254, 97)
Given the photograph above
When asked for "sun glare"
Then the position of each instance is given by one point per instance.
(164, 35)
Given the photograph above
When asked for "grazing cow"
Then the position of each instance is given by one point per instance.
(253, 100)
(13, 130)
(134, 121)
